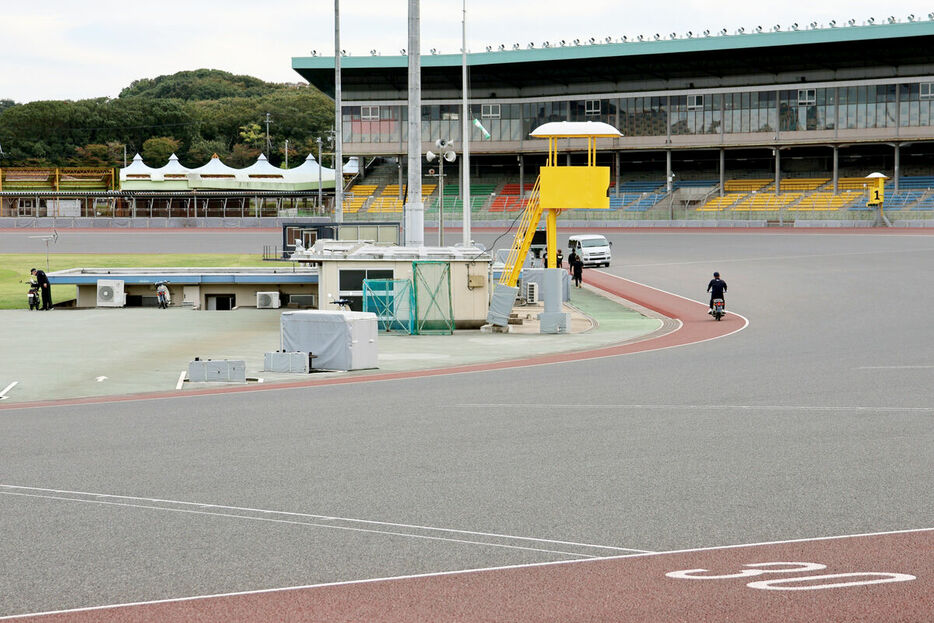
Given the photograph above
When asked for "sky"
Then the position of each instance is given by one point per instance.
(62, 49)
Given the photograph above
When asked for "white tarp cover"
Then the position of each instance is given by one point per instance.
(339, 340)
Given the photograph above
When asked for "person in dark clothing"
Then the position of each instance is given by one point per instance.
(44, 287)
(577, 268)
(717, 289)
(559, 257)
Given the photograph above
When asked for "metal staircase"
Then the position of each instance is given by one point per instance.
(523, 240)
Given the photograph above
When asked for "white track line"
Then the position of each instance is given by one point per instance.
(467, 571)
(895, 368)
(181, 379)
(3, 395)
(551, 405)
(58, 493)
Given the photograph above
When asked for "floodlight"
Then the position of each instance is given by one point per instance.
(434, 50)
(531, 45)
(794, 26)
(402, 51)
(758, 28)
(706, 32)
(343, 52)
(516, 46)
(852, 22)
(813, 25)
(930, 15)
(657, 36)
(740, 30)
(871, 21)
(592, 41)
(723, 31)
(911, 17)
(892, 19)
(673, 35)
(641, 37)
(608, 39)
(833, 23)
(577, 42)
(776, 27)
(563, 43)
(624, 38)
(314, 52)
(546, 44)
(502, 46)
(489, 48)
(689, 34)
(373, 52)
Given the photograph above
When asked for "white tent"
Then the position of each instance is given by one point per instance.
(262, 169)
(215, 168)
(172, 169)
(308, 172)
(137, 170)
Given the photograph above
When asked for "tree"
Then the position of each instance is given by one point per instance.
(97, 155)
(252, 135)
(242, 155)
(156, 151)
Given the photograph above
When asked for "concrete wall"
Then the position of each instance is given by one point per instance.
(245, 293)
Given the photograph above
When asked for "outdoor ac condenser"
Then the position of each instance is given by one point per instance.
(267, 300)
(110, 293)
(531, 292)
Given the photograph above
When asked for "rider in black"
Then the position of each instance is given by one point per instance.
(717, 288)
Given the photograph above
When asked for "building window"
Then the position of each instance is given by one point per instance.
(369, 113)
(490, 111)
(807, 97)
(592, 108)
(350, 283)
(695, 102)
(927, 90)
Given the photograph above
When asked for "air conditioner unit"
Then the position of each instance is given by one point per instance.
(110, 293)
(267, 300)
(531, 292)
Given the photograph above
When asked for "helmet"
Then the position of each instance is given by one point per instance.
(716, 274)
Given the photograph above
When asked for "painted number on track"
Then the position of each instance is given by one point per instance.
(796, 583)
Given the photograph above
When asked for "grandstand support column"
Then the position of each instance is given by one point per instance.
(896, 173)
(722, 170)
(668, 179)
(836, 167)
(414, 209)
(778, 182)
(522, 176)
(465, 130)
(338, 117)
(401, 186)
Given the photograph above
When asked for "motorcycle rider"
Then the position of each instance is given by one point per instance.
(717, 288)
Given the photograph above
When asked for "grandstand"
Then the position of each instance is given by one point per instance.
(788, 120)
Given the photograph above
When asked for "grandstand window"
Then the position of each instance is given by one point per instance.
(927, 90)
(490, 111)
(695, 102)
(592, 108)
(369, 113)
(807, 96)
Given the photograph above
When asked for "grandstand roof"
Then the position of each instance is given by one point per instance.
(770, 56)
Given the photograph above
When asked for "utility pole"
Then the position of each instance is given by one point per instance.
(268, 142)
(318, 140)
(286, 153)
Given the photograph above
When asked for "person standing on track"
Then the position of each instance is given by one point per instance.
(717, 288)
(44, 287)
(577, 268)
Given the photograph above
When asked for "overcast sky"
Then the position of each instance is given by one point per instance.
(62, 49)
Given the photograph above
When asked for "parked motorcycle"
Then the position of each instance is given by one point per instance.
(33, 296)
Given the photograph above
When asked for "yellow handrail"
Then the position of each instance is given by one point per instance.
(523, 240)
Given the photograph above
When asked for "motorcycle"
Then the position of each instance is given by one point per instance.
(718, 310)
(33, 297)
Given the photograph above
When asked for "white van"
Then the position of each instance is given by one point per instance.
(593, 249)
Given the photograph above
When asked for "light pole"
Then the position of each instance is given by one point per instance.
(446, 153)
(671, 198)
(465, 131)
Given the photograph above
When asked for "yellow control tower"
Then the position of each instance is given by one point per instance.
(557, 188)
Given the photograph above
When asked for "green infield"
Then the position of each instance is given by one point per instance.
(14, 269)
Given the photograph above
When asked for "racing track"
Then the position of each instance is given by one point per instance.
(814, 421)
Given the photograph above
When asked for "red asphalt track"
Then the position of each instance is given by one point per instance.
(632, 588)
(696, 326)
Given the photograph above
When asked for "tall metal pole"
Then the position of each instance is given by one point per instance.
(414, 215)
(441, 190)
(320, 198)
(465, 131)
(338, 117)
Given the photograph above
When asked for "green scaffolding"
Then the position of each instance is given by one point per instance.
(434, 309)
(393, 302)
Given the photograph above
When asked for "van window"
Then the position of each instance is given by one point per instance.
(593, 242)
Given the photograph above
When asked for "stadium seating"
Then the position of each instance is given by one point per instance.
(760, 202)
(357, 196)
(802, 183)
(824, 201)
(718, 204)
(734, 186)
